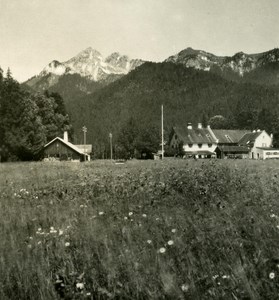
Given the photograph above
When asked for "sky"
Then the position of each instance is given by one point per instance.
(35, 32)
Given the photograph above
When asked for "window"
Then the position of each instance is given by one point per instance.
(228, 138)
(175, 136)
(209, 137)
(209, 145)
(263, 144)
(199, 145)
(190, 145)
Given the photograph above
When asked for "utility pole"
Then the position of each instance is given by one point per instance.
(110, 138)
(84, 129)
(162, 119)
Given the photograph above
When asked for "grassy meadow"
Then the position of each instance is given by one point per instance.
(171, 229)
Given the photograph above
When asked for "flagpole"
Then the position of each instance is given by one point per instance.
(162, 131)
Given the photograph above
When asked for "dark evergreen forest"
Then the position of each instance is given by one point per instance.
(28, 120)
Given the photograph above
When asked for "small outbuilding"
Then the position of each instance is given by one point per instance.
(62, 149)
(232, 152)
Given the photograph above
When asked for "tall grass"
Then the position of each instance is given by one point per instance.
(143, 230)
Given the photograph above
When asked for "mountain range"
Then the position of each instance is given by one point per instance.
(93, 67)
(103, 93)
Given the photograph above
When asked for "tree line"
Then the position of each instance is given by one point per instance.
(28, 120)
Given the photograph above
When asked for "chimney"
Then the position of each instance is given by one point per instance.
(208, 126)
(271, 136)
(65, 138)
(199, 125)
(189, 126)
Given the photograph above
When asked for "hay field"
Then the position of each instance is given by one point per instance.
(170, 229)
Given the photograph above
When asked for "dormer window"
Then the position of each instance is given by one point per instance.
(209, 145)
(190, 145)
(199, 145)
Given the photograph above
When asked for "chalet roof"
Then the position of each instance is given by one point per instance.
(268, 148)
(228, 136)
(194, 135)
(88, 148)
(72, 146)
(249, 138)
(234, 149)
(199, 152)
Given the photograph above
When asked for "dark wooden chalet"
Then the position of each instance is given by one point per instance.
(61, 149)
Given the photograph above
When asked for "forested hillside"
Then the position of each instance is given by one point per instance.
(28, 120)
(188, 95)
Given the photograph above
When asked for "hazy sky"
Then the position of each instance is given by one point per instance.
(34, 32)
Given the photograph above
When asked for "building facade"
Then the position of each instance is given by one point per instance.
(202, 142)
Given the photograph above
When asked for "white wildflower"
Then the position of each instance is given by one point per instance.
(130, 213)
(271, 275)
(144, 215)
(67, 244)
(39, 243)
(173, 230)
(101, 213)
(149, 241)
(162, 250)
(61, 232)
(185, 287)
(272, 216)
(125, 218)
(80, 285)
(170, 242)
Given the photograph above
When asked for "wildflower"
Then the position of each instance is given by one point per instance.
(185, 287)
(226, 276)
(39, 243)
(60, 232)
(130, 213)
(170, 242)
(40, 229)
(15, 194)
(162, 250)
(88, 294)
(272, 216)
(125, 218)
(67, 244)
(157, 219)
(140, 225)
(215, 276)
(80, 285)
(29, 246)
(81, 206)
(149, 241)
(173, 230)
(271, 275)
(277, 226)
(144, 215)
(51, 228)
(31, 237)
(101, 213)
(277, 266)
